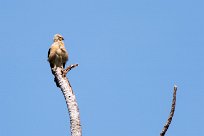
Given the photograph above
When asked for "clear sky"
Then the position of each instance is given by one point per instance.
(130, 55)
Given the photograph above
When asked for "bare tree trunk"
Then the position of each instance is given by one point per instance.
(70, 98)
(166, 126)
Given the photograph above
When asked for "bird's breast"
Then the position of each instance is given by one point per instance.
(59, 52)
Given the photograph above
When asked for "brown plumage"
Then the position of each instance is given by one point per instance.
(57, 54)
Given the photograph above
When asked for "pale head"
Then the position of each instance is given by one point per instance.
(58, 37)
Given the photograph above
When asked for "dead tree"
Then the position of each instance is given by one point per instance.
(64, 84)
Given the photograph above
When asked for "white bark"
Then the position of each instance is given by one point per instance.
(70, 101)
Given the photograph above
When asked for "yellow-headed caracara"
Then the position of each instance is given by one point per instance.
(57, 54)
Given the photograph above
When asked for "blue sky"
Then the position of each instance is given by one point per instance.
(130, 55)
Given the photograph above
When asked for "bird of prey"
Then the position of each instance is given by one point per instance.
(57, 54)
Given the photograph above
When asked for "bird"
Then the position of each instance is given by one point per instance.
(57, 53)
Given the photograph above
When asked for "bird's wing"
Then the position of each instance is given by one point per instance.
(52, 54)
(52, 51)
(48, 53)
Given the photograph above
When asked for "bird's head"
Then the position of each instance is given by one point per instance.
(58, 37)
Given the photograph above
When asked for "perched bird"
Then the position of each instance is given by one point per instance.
(57, 54)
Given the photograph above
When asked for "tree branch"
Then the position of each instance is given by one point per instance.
(63, 82)
(166, 126)
(70, 67)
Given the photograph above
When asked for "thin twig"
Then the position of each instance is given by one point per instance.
(166, 126)
(70, 67)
